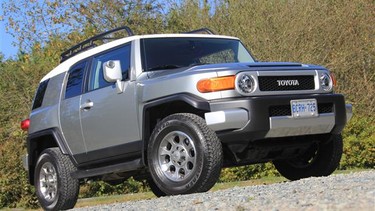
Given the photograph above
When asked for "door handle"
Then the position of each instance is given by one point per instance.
(87, 105)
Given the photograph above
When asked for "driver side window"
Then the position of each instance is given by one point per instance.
(97, 80)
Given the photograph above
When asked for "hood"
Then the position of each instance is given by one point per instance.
(282, 66)
(252, 66)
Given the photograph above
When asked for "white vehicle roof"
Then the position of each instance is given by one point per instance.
(64, 66)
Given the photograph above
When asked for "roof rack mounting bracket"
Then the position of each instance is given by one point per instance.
(89, 43)
(200, 31)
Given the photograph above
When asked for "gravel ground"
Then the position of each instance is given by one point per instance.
(354, 191)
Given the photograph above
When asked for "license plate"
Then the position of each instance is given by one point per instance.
(304, 108)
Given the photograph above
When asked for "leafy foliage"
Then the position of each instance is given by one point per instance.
(14, 188)
(338, 34)
(359, 145)
(38, 21)
(248, 172)
(104, 189)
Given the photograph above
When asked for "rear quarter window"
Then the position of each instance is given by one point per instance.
(75, 80)
(39, 96)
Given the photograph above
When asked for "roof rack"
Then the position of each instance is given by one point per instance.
(89, 43)
(200, 31)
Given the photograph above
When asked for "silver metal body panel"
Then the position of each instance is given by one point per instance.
(159, 83)
(25, 162)
(47, 116)
(281, 126)
(70, 124)
(227, 119)
(112, 120)
(136, 66)
(287, 126)
(349, 111)
(183, 82)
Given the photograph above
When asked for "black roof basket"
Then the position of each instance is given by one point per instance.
(200, 31)
(89, 43)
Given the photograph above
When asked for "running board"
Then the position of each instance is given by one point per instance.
(121, 167)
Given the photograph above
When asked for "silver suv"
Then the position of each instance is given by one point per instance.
(174, 109)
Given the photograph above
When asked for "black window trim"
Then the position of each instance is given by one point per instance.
(87, 70)
(40, 95)
(87, 65)
(92, 58)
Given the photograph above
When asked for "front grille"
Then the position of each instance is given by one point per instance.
(286, 83)
(325, 108)
(284, 110)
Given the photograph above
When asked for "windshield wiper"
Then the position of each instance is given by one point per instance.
(165, 67)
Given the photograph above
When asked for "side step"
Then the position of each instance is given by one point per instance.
(121, 167)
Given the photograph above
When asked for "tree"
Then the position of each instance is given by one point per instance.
(39, 21)
(335, 33)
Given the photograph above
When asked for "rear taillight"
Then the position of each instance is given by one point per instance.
(25, 124)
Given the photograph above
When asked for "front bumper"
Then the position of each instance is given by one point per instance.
(25, 162)
(250, 118)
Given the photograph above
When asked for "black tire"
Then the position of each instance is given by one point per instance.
(155, 189)
(55, 188)
(184, 155)
(321, 159)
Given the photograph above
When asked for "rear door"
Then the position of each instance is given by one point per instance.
(69, 109)
(109, 119)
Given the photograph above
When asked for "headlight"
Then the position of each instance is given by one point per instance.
(245, 83)
(326, 82)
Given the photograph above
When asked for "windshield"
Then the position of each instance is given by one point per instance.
(171, 53)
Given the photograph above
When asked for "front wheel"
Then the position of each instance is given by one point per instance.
(321, 159)
(155, 189)
(184, 155)
(55, 188)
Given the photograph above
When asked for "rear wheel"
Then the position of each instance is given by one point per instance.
(184, 155)
(321, 159)
(55, 188)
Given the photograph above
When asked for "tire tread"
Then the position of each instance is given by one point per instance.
(327, 160)
(214, 154)
(210, 142)
(68, 187)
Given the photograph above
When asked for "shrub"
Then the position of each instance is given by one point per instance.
(14, 188)
(242, 173)
(359, 143)
(100, 188)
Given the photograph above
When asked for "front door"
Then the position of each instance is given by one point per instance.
(109, 119)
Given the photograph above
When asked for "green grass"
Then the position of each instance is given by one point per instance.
(261, 181)
(114, 199)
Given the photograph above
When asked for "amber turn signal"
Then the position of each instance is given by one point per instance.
(216, 84)
(334, 82)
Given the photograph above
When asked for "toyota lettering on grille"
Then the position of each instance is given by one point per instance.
(287, 83)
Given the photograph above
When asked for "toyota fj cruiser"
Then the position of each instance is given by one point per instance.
(174, 109)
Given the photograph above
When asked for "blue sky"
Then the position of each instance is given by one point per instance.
(6, 40)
